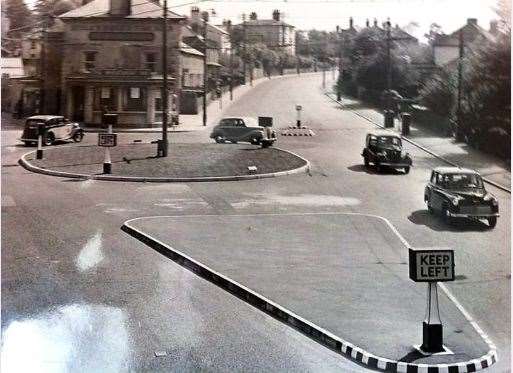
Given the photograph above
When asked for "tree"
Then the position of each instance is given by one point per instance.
(18, 13)
(438, 93)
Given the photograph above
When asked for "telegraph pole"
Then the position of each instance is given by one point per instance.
(43, 74)
(389, 64)
(205, 75)
(460, 81)
(165, 93)
(339, 93)
(244, 46)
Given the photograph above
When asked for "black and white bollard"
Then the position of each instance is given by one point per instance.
(107, 164)
(432, 329)
(40, 131)
(298, 116)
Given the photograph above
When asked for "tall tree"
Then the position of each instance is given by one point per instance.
(18, 13)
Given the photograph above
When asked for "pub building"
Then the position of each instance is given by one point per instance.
(111, 61)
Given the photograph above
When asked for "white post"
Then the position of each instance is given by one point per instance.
(298, 120)
(107, 164)
(432, 332)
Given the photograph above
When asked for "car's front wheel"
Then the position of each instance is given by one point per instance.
(77, 137)
(407, 170)
(366, 161)
(219, 139)
(492, 221)
(255, 141)
(49, 139)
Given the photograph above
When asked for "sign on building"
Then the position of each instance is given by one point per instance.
(431, 265)
(107, 139)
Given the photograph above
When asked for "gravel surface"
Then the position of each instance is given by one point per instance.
(184, 160)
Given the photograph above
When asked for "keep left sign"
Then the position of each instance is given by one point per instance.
(431, 264)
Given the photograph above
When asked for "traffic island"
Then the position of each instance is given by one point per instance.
(185, 162)
(341, 278)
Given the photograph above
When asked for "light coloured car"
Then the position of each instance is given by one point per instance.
(54, 127)
(242, 129)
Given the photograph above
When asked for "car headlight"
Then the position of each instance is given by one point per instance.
(455, 200)
(489, 197)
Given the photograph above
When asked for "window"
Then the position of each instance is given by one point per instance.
(158, 101)
(89, 60)
(389, 140)
(105, 97)
(186, 78)
(135, 99)
(151, 61)
(32, 44)
(462, 181)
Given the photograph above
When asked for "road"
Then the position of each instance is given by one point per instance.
(80, 295)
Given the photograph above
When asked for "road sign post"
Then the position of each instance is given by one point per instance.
(431, 266)
(298, 111)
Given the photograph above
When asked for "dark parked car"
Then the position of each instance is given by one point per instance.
(55, 128)
(385, 149)
(242, 129)
(460, 193)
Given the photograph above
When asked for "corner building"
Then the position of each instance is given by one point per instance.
(112, 58)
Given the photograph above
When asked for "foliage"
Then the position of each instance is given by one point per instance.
(438, 93)
(18, 13)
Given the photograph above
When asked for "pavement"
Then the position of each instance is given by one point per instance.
(492, 168)
(185, 162)
(320, 275)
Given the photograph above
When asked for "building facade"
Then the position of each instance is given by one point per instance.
(112, 61)
(274, 33)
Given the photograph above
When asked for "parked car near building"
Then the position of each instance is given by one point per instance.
(460, 193)
(385, 149)
(242, 129)
(55, 128)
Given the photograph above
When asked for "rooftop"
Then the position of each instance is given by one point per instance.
(455, 170)
(101, 9)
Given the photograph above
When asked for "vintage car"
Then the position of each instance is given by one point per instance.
(244, 129)
(55, 128)
(460, 193)
(385, 149)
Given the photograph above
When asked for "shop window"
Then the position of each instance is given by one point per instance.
(135, 99)
(151, 61)
(89, 61)
(105, 97)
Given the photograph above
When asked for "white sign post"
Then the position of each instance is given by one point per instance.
(432, 265)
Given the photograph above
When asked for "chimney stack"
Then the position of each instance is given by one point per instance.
(472, 21)
(276, 15)
(119, 8)
(375, 22)
(351, 26)
(253, 16)
(367, 23)
(494, 29)
(338, 29)
(195, 12)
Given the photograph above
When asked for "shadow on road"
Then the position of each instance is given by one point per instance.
(372, 170)
(435, 222)
(411, 356)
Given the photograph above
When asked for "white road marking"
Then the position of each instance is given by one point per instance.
(320, 200)
(91, 254)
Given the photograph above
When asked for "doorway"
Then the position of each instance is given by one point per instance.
(78, 94)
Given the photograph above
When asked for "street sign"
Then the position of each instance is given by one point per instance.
(107, 139)
(299, 107)
(431, 265)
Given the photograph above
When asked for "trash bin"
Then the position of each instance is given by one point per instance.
(389, 118)
(405, 124)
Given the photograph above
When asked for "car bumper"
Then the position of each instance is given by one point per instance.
(460, 215)
(28, 139)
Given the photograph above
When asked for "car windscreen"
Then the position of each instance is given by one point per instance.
(389, 140)
(462, 181)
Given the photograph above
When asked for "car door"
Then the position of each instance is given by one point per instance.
(225, 129)
(437, 198)
(58, 128)
(240, 130)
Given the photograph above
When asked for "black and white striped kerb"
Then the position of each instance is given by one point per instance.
(315, 332)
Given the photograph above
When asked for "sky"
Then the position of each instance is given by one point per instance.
(327, 14)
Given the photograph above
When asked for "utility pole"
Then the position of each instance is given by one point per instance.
(229, 29)
(244, 46)
(43, 73)
(205, 76)
(460, 85)
(165, 93)
(339, 93)
(389, 64)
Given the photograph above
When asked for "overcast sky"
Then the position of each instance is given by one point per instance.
(326, 14)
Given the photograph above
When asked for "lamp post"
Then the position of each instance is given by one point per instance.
(163, 148)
